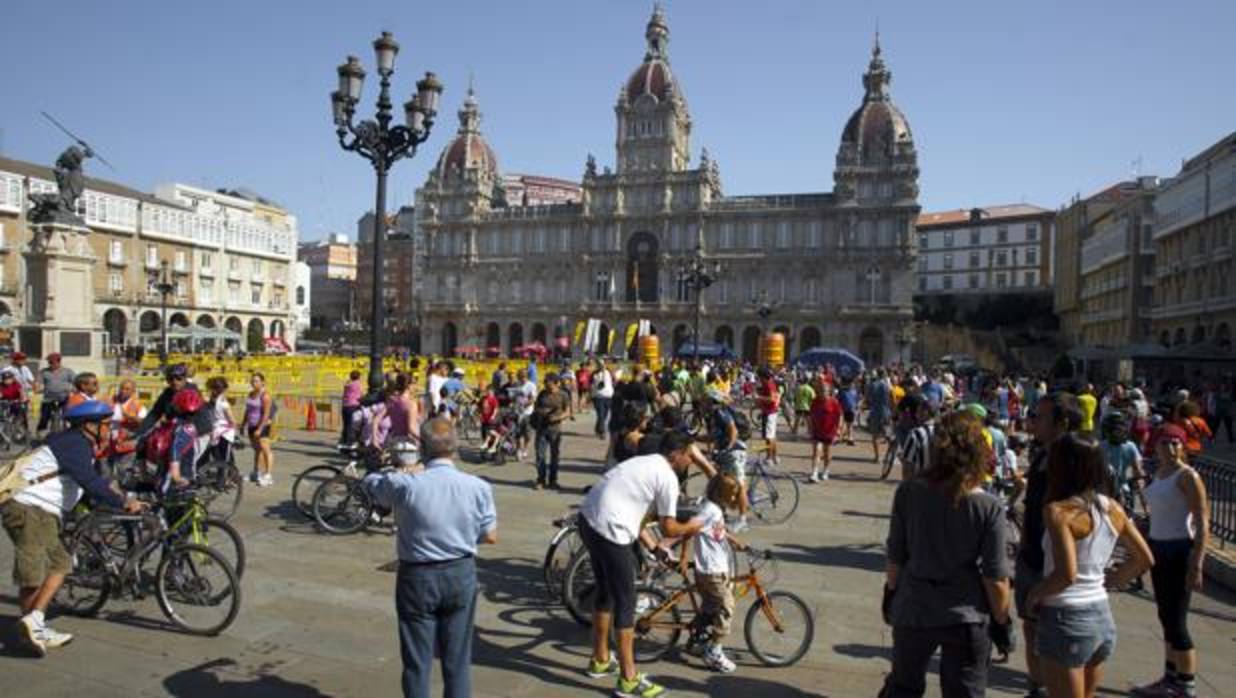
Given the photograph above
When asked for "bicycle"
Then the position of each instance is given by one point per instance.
(772, 496)
(221, 481)
(341, 505)
(14, 426)
(307, 483)
(563, 547)
(111, 552)
(774, 616)
(468, 424)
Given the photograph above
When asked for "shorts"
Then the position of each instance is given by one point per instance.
(255, 433)
(769, 427)
(876, 424)
(848, 416)
(1024, 579)
(37, 550)
(613, 567)
(826, 440)
(1076, 635)
(733, 462)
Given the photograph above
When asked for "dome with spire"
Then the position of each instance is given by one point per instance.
(468, 150)
(877, 125)
(653, 76)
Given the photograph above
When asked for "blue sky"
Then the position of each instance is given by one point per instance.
(1030, 101)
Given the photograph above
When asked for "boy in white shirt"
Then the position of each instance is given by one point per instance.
(713, 581)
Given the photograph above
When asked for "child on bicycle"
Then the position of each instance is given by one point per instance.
(711, 558)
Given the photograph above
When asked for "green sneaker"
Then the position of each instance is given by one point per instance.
(639, 687)
(597, 670)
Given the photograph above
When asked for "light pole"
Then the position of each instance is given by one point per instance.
(164, 286)
(697, 275)
(382, 145)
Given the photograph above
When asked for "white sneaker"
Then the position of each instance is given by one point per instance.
(54, 638)
(267, 480)
(740, 525)
(717, 661)
(31, 630)
(350, 469)
(815, 477)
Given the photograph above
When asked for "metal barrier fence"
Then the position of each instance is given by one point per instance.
(1220, 479)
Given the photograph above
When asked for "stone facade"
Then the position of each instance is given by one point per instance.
(837, 266)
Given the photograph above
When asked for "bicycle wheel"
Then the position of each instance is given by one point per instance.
(86, 588)
(773, 497)
(779, 630)
(579, 591)
(656, 631)
(307, 483)
(221, 536)
(340, 506)
(558, 559)
(224, 487)
(890, 458)
(197, 589)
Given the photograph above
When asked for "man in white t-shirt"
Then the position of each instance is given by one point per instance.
(612, 517)
(602, 396)
(437, 378)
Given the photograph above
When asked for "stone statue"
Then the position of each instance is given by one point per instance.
(62, 206)
(590, 167)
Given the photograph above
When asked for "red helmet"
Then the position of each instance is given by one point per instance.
(19, 356)
(187, 401)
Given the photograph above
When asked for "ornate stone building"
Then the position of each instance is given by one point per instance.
(837, 268)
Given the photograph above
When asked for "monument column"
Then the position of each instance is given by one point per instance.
(59, 292)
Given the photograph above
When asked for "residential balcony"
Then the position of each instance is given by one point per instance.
(117, 262)
(207, 272)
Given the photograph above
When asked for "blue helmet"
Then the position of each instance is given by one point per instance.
(88, 411)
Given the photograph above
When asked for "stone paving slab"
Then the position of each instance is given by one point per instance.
(318, 613)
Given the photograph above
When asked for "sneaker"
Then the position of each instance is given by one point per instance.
(538, 486)
(54, 638)
(597, 670)
(824, 476)
(740, 525)
(31, 630)
(815, 477)
(553, 485)
(717, 661)
(639, 687)
(350, 469)
(268, 480)
(1153, 690)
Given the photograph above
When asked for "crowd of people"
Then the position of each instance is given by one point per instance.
(1019, 496)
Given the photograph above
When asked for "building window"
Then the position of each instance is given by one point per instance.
(948, 282)
(207, 260)
(257, 268)
(206, 294)
(233, 263)
(255, 295)
(1032, 232)
(922, 241)
(922, 264)
(948, 238)
(948, 261)
(1032, 256)
(682, 289)
(1002, 259)
(974, 260)
(813, 292)
(975, 236)
(974, 281)
(233, 293)
(1002, 280)
(922, 283)
(116, 251)
(602, 288)
(1031, 278)
(182, 289)
(783, 234)
(816, 235)
(115, 282)
(180, 260)
(1002, 234)
(300, 295)
(152, 256)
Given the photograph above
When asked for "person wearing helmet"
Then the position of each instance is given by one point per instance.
(57, 383)
(177, 376)
(24, 375)
(728, 451)
(186, 403)
(1123, 459)
(53, 479)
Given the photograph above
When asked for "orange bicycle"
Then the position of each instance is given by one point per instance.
(779, 627)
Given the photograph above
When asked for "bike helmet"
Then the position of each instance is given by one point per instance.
(88, 411)
(176, 371)
(19, 356)
(405, 453)
(187, 401)
(976, 409)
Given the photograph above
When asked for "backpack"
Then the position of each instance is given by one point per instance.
(741, 423)
(12, 481)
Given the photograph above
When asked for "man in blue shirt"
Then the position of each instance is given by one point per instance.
(442, 515)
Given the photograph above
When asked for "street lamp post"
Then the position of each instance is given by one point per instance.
(698, 276)
(164, 286)
(382, 144)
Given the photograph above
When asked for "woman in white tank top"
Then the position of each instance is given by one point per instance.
(1076, 632)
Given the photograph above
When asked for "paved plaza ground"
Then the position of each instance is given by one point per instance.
(318, 616)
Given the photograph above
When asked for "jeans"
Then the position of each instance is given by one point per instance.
(964, 653)
(547, 463)
(436, 605)
(1076, 636)
(602, 406)
(348, 437)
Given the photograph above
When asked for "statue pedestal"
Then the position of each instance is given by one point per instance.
(59, 297)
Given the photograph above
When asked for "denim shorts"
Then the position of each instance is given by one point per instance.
(1076, 635)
